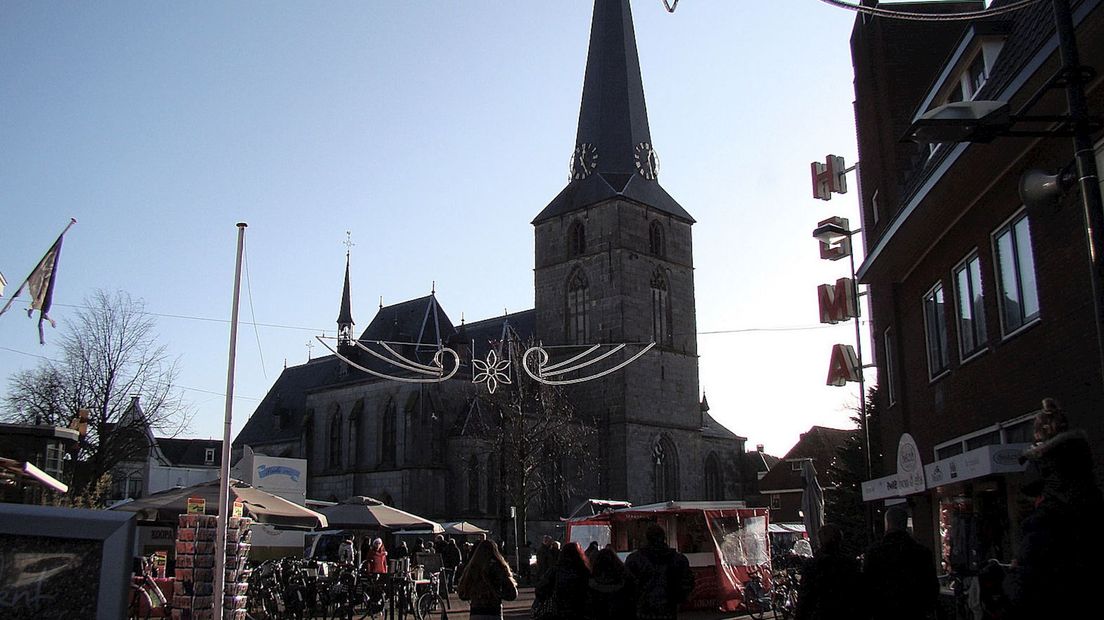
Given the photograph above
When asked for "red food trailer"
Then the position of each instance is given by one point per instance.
(725, 542)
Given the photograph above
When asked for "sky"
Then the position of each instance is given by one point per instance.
(433, 131)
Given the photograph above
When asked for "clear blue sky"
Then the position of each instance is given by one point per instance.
(434, 130)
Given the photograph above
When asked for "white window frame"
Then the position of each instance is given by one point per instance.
(209, 456)
(889, 344)
(935, 371)
(1026, 319)
(981, 340)
(776, 501)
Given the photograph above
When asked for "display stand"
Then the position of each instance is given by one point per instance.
(195, 560)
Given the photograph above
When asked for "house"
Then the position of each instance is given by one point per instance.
(982, 303)
(783, 485)
(33, 458)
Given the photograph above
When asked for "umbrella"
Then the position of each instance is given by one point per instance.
(263, 507)
(365, 513)
(462, 528)
(812, 503)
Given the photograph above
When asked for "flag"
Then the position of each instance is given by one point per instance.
(40, 285)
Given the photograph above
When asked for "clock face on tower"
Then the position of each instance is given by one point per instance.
(583, 161)
(647, 162)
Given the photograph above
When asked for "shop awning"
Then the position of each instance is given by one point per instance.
(972, 464)
(786, 528)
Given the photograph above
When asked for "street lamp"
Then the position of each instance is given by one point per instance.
(982, 121)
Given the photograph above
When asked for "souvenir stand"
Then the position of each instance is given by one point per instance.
(725, 542)
(193, 589)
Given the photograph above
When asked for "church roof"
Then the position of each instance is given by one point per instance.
(420, 320)
(489, 332)
(613, 140)
(287, 398)
(712, 428)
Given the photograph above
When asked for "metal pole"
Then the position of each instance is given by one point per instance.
(224, 468)
(862, 368)
(1086, 163)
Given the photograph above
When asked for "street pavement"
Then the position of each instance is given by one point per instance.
(520, 609)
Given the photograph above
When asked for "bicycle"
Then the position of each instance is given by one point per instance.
(145, 597)
(435, 599)
(784, 593)
(757, 601)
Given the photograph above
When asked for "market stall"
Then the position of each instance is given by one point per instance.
(725, 542)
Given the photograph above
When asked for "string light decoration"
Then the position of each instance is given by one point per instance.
(544, 370)
(929, 17)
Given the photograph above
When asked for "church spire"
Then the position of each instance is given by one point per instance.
(345, 315)
(613, 154)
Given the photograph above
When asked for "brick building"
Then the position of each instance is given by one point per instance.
(613, 264)
(981, 306)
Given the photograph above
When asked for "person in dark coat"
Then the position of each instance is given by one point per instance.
(898, 574)
(486, 582)
(591, 550)
(546, 558)
(566, 585)
(828, 582)
(611, 591)
(450, 560)
(1058, 558)
(663, 577)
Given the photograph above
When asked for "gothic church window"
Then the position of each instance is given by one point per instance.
(576, 239)
(656, 244)
(387, 434)
(661, 308)
(714, 480)
(473, 484)
(490, 487)
(335, 437)
(665, 469)
(576, 315)
(308, 436)
(356, 445)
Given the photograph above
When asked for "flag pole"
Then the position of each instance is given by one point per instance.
(224, 467)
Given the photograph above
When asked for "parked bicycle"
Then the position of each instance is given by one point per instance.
(435, 600)
(757, 600)
(784, 593)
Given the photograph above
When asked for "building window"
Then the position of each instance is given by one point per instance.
(490, 486)
(388, 434)
(971, 306)
(335, 438)
(796, 465)
(576, 239)
(890, 345)
(308, 436)
(935, 328)
(356, 441)
(665, 462)
(976, 75)
(776, 501)
(661, 308)
(209, 456)
(473, 484)
(714, 479)
(54, 454)
(875, 207)
(656, 244)
(1019, 296)
(577, 293)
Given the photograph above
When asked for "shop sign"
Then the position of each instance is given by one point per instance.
(910, 469)
(197, 506)
(976, 463)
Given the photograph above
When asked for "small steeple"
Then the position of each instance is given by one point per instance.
(345, 316)
(613, 155)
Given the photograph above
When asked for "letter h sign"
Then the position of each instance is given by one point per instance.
(829, 178)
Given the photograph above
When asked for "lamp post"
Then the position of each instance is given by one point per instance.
(982, 121)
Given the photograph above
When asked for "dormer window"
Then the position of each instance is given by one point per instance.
(209, 456)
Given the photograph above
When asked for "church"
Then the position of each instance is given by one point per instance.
(613, 264)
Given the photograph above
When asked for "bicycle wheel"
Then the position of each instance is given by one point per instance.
(755, 609)
(429, 604)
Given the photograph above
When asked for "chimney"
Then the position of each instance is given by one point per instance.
(759, 448)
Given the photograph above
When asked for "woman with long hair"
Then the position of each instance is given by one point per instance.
(612, 593)
(487, 582)
(566, 585)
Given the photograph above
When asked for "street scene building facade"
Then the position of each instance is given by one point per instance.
(981, 300)
(613, 264)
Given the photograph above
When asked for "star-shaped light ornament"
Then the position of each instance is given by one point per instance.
(492, 371)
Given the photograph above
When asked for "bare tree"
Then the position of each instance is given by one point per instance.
(542, 447)
(110, 354)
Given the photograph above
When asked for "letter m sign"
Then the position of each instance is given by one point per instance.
(837, 301)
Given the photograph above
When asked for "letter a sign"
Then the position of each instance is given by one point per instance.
(844, 365)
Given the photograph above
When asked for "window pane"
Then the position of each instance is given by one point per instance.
(936, 326)
(981, 335)
(1010, 294)
(1028, 291)
(965, 311)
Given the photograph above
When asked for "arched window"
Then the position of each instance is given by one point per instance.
(473, 484)
(656, 243)
(335, 437)
(387, 434)
(576, 311)
(356, 440)
(490, 488)
(714, 478)
(308, 438)
(665, 467)
(576, 239)
(661, 308)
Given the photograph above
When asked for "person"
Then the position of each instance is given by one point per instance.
(898, 573)
(1058, 560)
(486, 582)
(611, 591)
(546, 558)
(401, 551)
(828, 581)
(375, 559)
(565, 585)
(591, 550)
(450, 561)
(346, 551)
(662, 575)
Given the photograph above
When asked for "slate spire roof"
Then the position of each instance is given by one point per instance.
(345, 315)
(613, 149)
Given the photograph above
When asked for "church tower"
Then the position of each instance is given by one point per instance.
(614, 264)
(345, 316)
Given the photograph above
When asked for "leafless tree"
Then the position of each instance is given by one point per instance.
(110, 354)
